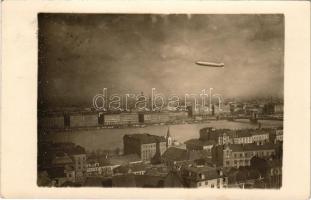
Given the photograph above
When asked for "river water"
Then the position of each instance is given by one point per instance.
(112, 138)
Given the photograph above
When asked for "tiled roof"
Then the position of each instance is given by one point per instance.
(146, 138)
(199, 142)
(175, 154)
(77, 150)
(201, 154)
(62, 160)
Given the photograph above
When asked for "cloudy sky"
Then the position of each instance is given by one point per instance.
(81, 54)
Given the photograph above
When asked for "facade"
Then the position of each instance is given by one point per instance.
(79, 165)
(279, 134)
(135, 168)
(129, 118)
(274, 173)
(243, 136)
(224, 139)
(260, 137)
(84, 120)
(51, 122)
(104, 166)
(236, 155)
(204, 177)
(112, 119)
(144, 145)
(197, 144)
(156, 117)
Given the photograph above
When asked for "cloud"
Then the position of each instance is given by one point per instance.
(82, 53)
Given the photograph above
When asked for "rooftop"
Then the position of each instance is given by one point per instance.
(199, 142)
(175, 154)
(251, 147)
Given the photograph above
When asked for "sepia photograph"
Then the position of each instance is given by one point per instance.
(160, 100)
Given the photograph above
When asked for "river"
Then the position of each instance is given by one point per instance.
(113, 138)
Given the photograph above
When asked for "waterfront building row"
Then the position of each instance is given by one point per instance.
(108, 119)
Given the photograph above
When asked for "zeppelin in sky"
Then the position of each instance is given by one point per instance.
(210, 64)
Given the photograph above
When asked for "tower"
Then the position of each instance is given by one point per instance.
(168, 138)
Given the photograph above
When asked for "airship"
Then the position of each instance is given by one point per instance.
(210, 64)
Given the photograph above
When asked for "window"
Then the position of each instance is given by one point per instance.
(212, 186)
(206, 182)
(199, 184)
(235, 161)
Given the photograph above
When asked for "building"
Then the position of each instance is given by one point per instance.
(61, 159)
(274, 173)
(169, 139)
(135, 168)
(61, 175)
(83, 119)
(112, 119)
(128, 118)
(208, 177)
(104, 165)
(51, 122)
(236, 155)
(279, 134)
(243, 136)
(78, 155)
(221, 136)
(175, 158)
(197, 144)
(144, 145)
(156, 117)
(260, 136)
